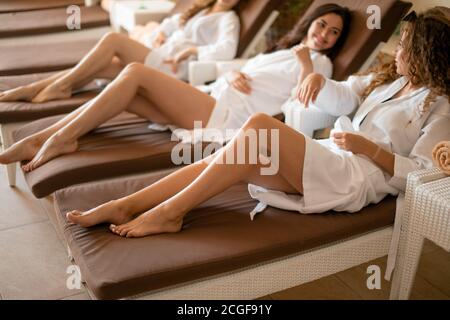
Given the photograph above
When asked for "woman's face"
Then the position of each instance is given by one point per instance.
(400, 57)
(324, 32)
(227, 4)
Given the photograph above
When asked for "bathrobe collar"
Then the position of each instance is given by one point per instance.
(376, 98)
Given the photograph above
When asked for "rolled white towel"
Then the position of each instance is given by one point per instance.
(441, 156)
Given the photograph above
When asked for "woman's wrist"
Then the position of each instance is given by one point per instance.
(372, 151)
(322, 80)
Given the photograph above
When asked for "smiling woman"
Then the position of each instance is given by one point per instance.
(208, 31)
(324, 19)
(138, 88)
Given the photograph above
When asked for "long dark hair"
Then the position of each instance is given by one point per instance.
(300, 30)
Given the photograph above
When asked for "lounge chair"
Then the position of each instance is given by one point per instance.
(220, 253)
(120, 151)
(7, 6)
(46, 21)
(27, 58)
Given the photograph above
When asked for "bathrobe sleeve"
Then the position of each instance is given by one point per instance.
(323, 65)
(170, 24)
(226, 40)
(435, 129)
(340, 98)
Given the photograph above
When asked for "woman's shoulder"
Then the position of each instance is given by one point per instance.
(441, 106)
(319, 56)
(230, 15)
(322, 63)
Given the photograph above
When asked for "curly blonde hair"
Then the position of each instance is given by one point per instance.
(427, 48)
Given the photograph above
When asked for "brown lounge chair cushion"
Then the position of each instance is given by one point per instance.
(32, 58)
(26, 5)
(217, 237)
(27, 111)
(121, 146)
(48, 20)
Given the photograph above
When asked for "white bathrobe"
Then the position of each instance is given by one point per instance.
(215, 35)
(334, 179)
(274, 76)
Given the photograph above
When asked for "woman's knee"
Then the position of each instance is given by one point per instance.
(258, 120)
(111, 39)
(134, 70)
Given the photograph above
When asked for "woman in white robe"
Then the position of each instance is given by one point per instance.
(204, 37)
(209, 30)
(164, 100)
(402, 112)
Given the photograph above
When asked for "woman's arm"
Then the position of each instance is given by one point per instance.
(435, 129)
(302, 53)
(169, 25)
(333, 97)
(360, 145)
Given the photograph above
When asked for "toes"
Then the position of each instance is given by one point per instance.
(131, 234)
(124, 232)
(35, 164)
(73, 215)
(115, 229)
(30, 166)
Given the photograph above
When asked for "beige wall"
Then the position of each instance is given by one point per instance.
(421, 5)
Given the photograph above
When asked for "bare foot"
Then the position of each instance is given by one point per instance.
(23, 93)
(111, 212)
(154, 221)
(53, 91)
(22, 150)
(53, 147)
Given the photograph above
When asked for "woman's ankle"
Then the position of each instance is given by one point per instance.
(124, 206)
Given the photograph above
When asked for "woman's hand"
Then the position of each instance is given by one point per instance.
(354, 143)
(302, 53)
(159, 40)
(309, 88)
(241, 82)
(358, 144)
(180, 57)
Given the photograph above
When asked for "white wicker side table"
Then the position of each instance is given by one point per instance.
(426, 215)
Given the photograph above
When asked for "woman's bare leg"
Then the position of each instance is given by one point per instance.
(27, 148)
(165, 93)
(219, 176)
(28, 92)
(124, 209)
(110, 46)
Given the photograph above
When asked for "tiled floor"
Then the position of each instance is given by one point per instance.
(34, 261)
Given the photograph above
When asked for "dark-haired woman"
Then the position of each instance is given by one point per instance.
(207, 31)
(162, 99)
